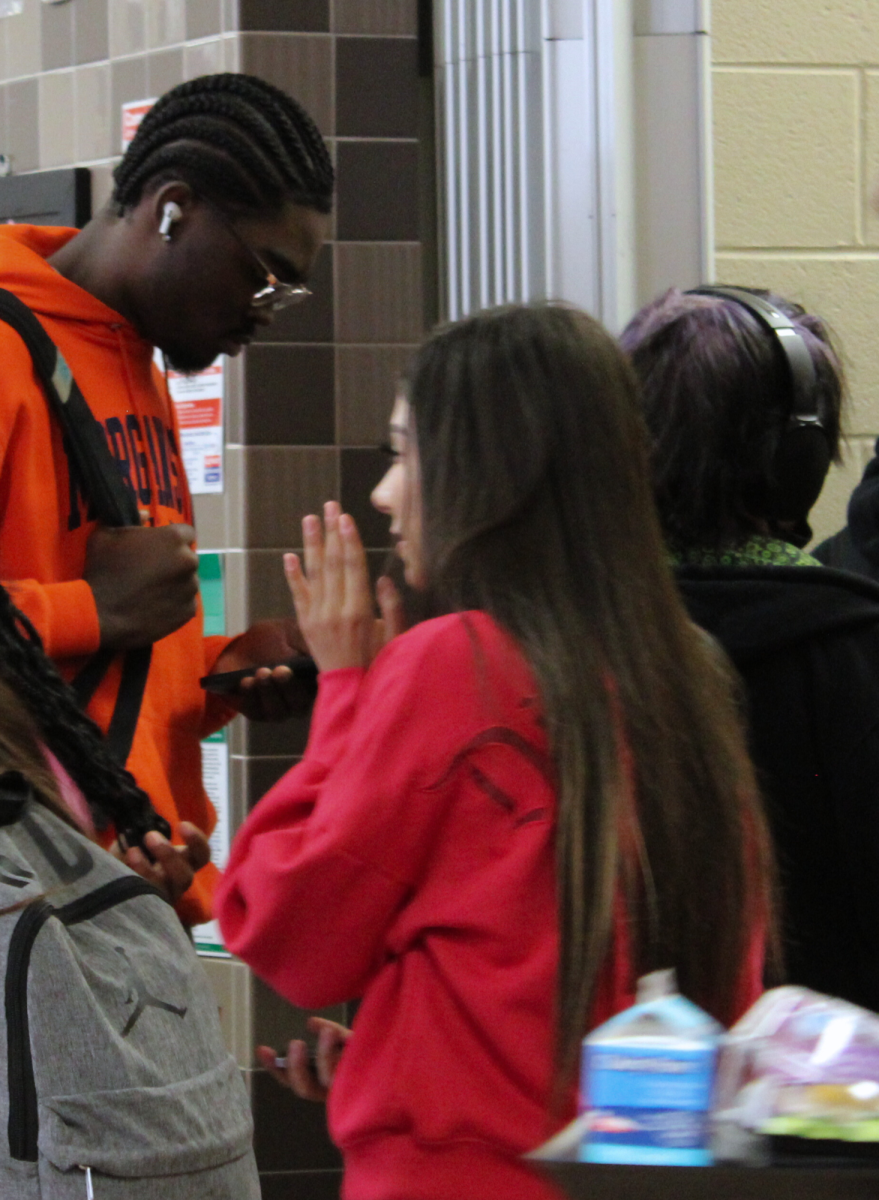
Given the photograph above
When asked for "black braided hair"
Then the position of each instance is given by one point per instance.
(74, 738)
(234, 139)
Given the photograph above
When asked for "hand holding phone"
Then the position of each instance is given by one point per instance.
(225, 682)
(308, 1071)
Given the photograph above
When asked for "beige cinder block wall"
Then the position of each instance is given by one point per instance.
(796, 146)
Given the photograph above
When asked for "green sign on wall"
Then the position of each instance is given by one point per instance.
(214, 749)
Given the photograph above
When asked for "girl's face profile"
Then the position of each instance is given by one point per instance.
(398, 494)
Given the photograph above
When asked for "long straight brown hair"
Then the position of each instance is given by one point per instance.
(536, 508)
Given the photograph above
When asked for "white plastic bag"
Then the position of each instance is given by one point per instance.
(801, 1068)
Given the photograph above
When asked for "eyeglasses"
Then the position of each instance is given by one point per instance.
(276, 294)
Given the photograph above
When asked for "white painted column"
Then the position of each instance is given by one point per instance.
(589, 171)
(489, 98)
(535, 116)
(575, 151)
(675, 223)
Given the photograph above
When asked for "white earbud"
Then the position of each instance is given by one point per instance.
(170, 213)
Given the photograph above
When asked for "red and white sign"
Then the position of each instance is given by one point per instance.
(133, 112)
(198, 400)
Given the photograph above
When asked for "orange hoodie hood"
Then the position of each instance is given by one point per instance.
(24, 251)
(112, 364)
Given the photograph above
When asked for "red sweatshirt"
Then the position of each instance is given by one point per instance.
(409, 859)
(44, 524)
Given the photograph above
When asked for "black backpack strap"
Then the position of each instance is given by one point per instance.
(88, 679)
(120, 732)
(104, 489)
(97, 468)
(135, 669)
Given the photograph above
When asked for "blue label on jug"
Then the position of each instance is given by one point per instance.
(648, 1105)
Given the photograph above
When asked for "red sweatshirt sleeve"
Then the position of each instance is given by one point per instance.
(323, 865)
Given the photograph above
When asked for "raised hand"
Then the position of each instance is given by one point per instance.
(332, 596)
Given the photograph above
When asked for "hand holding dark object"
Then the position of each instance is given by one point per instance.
(144, 580)
(272, 692)
(309, 1077)
(172, 868)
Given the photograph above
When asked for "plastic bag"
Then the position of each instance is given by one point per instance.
(799, 1075)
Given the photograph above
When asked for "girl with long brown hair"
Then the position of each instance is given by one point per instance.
(509, 812)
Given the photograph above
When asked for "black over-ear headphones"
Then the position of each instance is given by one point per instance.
(803, 455)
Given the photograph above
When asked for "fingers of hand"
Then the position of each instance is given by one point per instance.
(266, 1056)
(358, 597)
(300, 588)
(313, 545)
(333, 578)
(179, 540)
(335, 563)
(170, 547)
(300, 1076)
(135, 858)
(319, 1025)
(141, 865)
(172, 864)
(185, 533)
(390, 604)
(183, 569)
(160, 848)
(279, 694)
(336, 618)
(197, 845)
(329, 1049)
(144, 581)
(331, 1039)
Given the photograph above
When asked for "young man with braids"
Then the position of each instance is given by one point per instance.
(219, 210)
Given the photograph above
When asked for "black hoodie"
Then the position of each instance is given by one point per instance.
(856, 546)
(806, 643)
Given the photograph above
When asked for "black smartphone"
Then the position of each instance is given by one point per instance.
(304, 670)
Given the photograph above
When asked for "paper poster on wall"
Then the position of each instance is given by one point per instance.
(198, 400)
(215, 776)
(214, 751)
(133, 112)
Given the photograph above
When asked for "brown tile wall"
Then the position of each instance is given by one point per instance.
(309, 402)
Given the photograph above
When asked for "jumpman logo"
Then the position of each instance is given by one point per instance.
(139, 992)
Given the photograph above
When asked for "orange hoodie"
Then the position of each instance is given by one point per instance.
(44, 524)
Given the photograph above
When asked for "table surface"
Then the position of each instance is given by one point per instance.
(599, 1182)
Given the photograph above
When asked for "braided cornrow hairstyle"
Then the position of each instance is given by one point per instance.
(234, 139)
(74, 738)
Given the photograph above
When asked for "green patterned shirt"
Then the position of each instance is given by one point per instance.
(758, 551)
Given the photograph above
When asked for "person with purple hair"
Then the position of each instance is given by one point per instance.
(734, 492)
